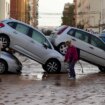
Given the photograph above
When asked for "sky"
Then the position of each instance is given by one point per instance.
(50, 12)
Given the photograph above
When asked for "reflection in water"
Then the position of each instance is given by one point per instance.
(32, 76)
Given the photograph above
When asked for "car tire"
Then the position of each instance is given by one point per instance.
(5, 41)
(52, 66)
(62, 48)
(102, 69)
(3, 66)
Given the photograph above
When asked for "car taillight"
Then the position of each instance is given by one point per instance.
(61, 31)
(1, 25)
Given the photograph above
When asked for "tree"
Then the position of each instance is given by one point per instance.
(68, 15)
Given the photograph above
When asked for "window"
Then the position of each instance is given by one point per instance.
(97, 42)
(82, 35)
(37, 36)
(12, 24)
(22, 28)
(71, 32)
(103, 38)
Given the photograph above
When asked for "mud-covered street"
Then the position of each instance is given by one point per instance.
(34, 87)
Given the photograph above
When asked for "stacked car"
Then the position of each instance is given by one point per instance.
(91, 47)
(32, 43)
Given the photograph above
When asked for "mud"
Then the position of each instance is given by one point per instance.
(35, 87)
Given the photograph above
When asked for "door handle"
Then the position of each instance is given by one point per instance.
(15, 32)
(91, 47)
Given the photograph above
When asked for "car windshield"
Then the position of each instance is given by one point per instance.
(37, 36)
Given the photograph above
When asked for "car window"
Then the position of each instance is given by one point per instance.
(97, 42)
(71, 32)
(37, 36)
(82, 35)
(22, 28)
(12, 24)
(103, 38)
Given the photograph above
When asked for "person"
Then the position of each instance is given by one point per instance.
(71, 58)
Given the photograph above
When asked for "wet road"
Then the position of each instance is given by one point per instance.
(34, 87)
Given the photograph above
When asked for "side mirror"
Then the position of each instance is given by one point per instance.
(45, 45)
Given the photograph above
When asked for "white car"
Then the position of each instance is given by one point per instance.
(9, 63)
(31, 42)
(91, 47)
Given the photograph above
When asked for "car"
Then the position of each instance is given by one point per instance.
(102, 37)
(30, 42)
(55, 32)
(9, 63)
(90, 47)
(103, 32)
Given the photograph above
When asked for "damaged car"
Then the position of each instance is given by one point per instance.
(9, 63)
(32, 43)
(91, 47)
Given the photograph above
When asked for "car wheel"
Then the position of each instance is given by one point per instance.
(62, 48)
(5, 41)
(102, 69)
(3, 66)
(52, 66)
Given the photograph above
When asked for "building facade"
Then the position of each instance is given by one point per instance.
(4, 9)
(102, 14)
(25, 10)
(89, 14)
(33, 12)
(18, 9)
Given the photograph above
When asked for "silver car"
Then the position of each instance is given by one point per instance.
(31, 42)
(90, 47)
(9, 63)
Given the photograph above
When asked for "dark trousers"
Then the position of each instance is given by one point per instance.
(71, 69)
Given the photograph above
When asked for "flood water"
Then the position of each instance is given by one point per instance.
(35, 87)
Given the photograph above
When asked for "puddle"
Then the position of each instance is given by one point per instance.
(32, 76)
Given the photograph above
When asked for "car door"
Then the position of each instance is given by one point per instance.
(97, 48)
(20, 38)
(91, 47)
(80, 39)
(39, 46)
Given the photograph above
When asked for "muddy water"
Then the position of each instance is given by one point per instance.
(35, 87)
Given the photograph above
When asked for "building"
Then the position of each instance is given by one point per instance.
(25, 10)
(33, 12)
(88, 14)
(18, 9)
(75, 12)
(102, 15)
(4, 9)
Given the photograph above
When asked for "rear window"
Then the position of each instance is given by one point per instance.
(61, 30)
(12, 24)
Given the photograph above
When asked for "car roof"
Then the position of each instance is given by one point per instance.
(14, 20)
(18, 21)
(83, 30)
